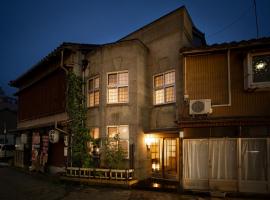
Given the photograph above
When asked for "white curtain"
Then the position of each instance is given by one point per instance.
(253, 159)
(196, 159)
(223, 158)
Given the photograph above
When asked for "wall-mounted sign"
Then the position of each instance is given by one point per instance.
(54, 136)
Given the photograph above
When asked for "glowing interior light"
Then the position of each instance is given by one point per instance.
(155, 167)
(156, 185)
(260, 65)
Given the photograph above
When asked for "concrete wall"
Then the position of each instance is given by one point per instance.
(130, 56)
(157, 52)
(165, 38)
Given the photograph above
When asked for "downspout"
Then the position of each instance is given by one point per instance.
(62, 62)
(55, 125)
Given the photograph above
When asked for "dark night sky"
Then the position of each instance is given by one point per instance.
(30, 29)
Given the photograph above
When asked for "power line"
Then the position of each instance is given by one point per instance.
(232, 23)
(255, 10)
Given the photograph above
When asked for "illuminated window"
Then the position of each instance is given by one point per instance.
(155, 154)
(93, 92)
(94, 135)
(123, 132)
(164, 88)
(117, 87)
(257, 71)
(261, 68)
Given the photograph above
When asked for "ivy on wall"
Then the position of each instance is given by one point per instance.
(76, 110)
(112, 152)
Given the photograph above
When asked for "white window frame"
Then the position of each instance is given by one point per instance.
(125, 139)
(164, 88)
(93, 91)
(248, 76)
(117, 86)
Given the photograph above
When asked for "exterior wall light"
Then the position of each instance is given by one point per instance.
(148, 141)
(181, 134)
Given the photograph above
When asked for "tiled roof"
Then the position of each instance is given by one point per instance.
(227, 45)
(65, 45)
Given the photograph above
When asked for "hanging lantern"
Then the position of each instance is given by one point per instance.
(54, 136)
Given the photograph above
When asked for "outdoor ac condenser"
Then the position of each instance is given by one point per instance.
(200, 107)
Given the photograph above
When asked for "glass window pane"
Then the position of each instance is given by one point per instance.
(96, 83)
(123, 132)
(195, 159)
(97, 98)
(170, 78)
(112, 79)
(112, 131)
(124, 145)
(261, 68)
(159, 96)
(90, 85)
(94, 133)
(112, 95)
(123, 94)
(169, 94)
(223, 159)
(254, 157)
(158, 81)
(123, 78)
(91, 99)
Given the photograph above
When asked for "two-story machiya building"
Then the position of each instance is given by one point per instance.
(225, 118)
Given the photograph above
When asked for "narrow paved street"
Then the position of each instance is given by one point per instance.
(17, 185)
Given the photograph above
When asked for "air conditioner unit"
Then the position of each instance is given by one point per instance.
(200, 106)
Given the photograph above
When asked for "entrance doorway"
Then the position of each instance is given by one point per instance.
(164, 156)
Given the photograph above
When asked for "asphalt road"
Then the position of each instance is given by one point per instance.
(19, 185)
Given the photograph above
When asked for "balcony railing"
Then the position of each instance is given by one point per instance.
(97, 173)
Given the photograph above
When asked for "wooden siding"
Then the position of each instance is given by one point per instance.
(45, 97)
(207, 79)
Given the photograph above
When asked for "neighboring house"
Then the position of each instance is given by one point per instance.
(42, 107)
(225, 117)
(8, 118)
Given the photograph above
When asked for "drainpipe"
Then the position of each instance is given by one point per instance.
(62, 62)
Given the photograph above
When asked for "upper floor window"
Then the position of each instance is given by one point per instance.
(117, 87)
(261, 68)
(164, 88)
(258, 71)
(123, 132)
(93, 92)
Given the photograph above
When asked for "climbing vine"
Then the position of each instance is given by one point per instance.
(76, 110)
